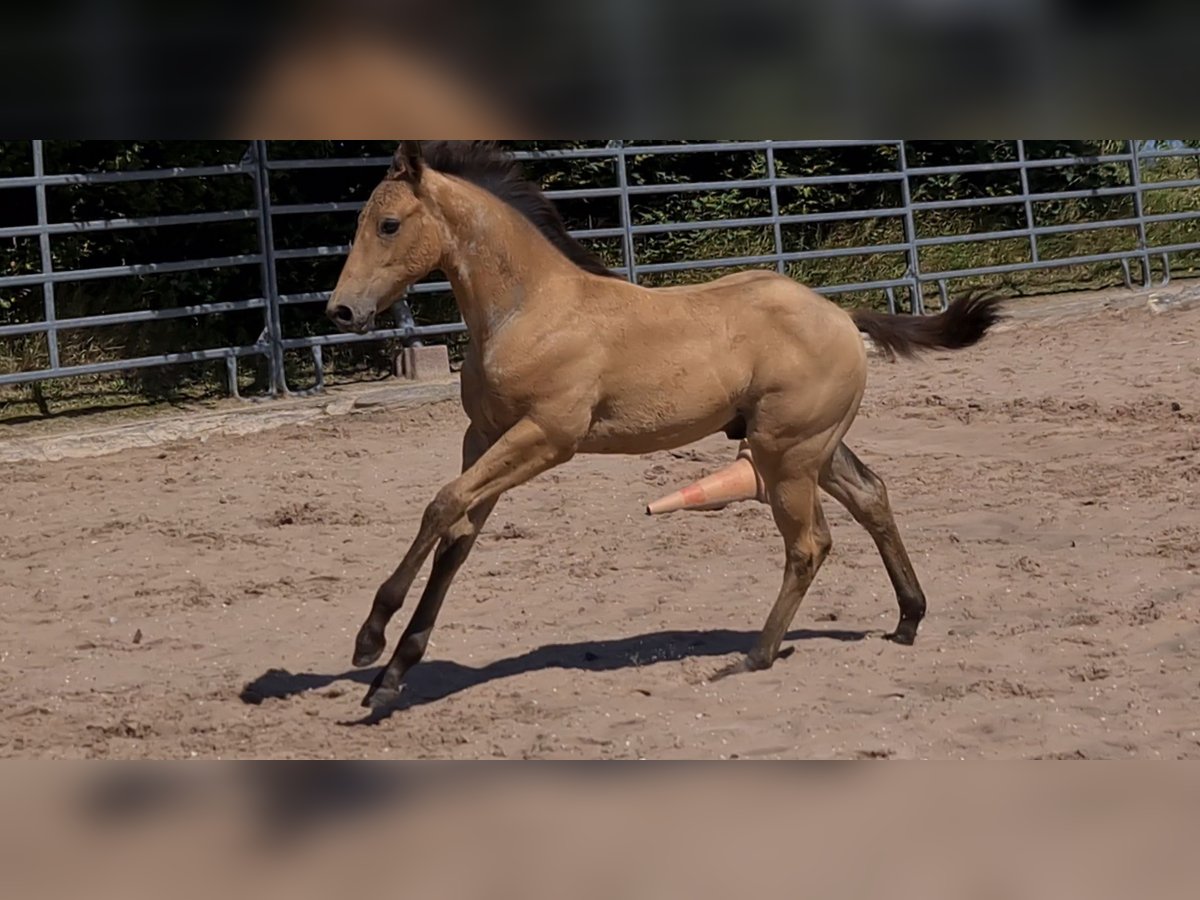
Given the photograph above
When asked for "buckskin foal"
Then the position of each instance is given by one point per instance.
(564, 358)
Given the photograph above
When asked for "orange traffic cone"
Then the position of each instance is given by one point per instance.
(737, 481)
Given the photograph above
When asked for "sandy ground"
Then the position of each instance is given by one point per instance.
(200, 599)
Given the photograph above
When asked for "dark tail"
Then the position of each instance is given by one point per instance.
(962, 324)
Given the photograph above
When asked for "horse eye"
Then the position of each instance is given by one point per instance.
(389, 226)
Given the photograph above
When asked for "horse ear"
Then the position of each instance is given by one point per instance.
(407, 162)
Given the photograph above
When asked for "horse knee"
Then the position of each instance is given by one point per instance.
(810, 550)
(445, 511)
(822, 541)
(461, 530)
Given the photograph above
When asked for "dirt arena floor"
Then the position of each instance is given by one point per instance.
(200, 599)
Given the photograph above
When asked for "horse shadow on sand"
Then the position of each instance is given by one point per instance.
(300, 799)
(437, 679)
(304, 800)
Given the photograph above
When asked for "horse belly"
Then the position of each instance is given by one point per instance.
(653, 423)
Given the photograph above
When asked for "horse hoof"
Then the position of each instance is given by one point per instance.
(905, 634)
(751, 662)
(380, 698)
(739, 667)
(368, 647)
(362, 660)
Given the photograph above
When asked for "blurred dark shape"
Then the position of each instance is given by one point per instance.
(284, 800)
(133, 792)
(1105, 830)
(117, 68)
(292, 798)
(319, 69)
(339, 82)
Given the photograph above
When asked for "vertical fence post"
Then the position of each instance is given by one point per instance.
(1135, 177)
(51, 315)
(402, 312)
(910, 235)
(626, 215)
(270, 286)
(1024, 170)
(779, 263)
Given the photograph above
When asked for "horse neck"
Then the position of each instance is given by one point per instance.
(491, 254)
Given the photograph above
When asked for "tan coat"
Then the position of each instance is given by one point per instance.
(563, 361)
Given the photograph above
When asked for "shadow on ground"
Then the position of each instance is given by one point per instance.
(436, 679)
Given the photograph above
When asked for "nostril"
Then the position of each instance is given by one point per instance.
(343, 314)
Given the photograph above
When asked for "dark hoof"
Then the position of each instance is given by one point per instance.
(905, 634)
(368, 647)
(381, 698)
(383, 691)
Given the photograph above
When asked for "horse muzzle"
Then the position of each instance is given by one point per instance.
(349, 320)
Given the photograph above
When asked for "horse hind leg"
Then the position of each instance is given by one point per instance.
(848, 480)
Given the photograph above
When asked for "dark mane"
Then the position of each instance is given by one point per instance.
(483, 163)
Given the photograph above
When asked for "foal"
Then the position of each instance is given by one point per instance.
(564, 358)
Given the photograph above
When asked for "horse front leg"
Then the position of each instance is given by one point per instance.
(449, 557)
(522, 453)
(370, 642)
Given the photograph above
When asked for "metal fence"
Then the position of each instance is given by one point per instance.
(903, 290)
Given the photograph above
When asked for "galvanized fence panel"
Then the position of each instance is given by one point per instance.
(51, 326)
(904, 289)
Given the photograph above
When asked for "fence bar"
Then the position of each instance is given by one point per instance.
(1171, 152)
(51, 331)
(793, 256)
(121, 365)
(626, 214)
(671, 227)
(973, 202)
(116, 177)
(1116, 256)
(913, 274)
(183, 265)
(381, 334)
(750, 183)
(1010, 165)
(272, 329)
(232, 215)
(130, 318)
(1029, 220)
(1135, 176)
(763, 221)
(1070, 228)
(780, 265)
